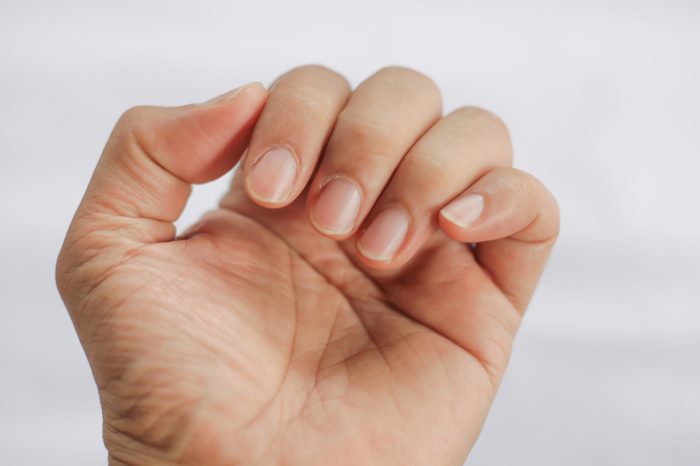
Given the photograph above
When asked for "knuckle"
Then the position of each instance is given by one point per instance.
(320, 70)
(483, 122)
(400, 72)
(363, 132)
(412, 78)
(305, 103)
(309, 76)
(524, 183)
(311, 68)
(132, 118)
(486, 117)
(519, 183)
(134, 131)
(404, 73)
(310, 91)
(528, 186)
(131, 130)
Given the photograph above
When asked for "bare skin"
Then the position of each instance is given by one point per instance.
(286, 329)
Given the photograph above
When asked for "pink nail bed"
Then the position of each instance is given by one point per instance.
(272, 177)
(336, 208)
(385, 234)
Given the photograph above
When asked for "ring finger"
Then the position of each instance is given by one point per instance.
(454, 153)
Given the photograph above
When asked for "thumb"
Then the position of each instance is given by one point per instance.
(154, 154)
(143, 179)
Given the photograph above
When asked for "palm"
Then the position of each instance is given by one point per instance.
(260, 332)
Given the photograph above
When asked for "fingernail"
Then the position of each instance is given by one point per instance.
(272, 177)
(384, 235)
(465, 210)
(233, 93)
(337, 206)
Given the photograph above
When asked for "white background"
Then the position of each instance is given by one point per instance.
(602, 98)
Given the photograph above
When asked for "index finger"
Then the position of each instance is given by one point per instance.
(291, 133)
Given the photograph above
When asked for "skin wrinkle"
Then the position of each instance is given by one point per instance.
(137, 139)
(76, 263)
(138, 438)
(102, 279)
(285, 374)
(322, 274)
(545, 243)
(136, 147)
(323, 354)
(487, 360)
(483, 362)
(387, 301)
(314, 387)
(89, 287)
(145, 285)
(276, 393)
(169, 442)
(342, 362)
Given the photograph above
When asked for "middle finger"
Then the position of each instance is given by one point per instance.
(384, 117)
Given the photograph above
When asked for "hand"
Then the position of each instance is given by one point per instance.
(353, 300)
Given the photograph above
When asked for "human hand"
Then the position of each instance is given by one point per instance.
(329, 311)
